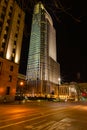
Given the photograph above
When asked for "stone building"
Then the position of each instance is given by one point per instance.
(11, 33)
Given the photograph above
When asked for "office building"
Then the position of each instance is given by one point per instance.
(43, 70)
(11, 33)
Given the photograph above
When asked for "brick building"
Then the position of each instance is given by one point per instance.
(11, 33)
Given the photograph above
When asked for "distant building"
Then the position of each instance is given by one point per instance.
(21, 87)
(68, 91)
(43, 70)
(11, 33)
(73, 91)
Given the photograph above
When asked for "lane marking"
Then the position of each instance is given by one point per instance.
(16, 118)
(51, 125)
(33, 114)
(44, 125)
(20, 122)
(29, 126)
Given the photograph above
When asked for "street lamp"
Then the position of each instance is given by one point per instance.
(21, 87)
(59, 82)
(21, 83)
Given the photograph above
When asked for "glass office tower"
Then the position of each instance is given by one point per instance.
(43, 70)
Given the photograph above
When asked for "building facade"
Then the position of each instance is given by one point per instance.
(11, 33)
(43, 70)
(21, 85)
(73, 91)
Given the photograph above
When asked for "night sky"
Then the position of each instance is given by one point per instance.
(70, 22)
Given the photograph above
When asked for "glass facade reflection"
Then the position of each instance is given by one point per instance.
(42, 68)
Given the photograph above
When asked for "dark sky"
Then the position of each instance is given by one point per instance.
(71, 42)
(70, 22)
(72, 51)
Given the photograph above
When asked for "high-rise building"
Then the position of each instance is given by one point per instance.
(43, 70)
(11, 33)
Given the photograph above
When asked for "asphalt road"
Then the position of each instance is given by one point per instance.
(43, 116)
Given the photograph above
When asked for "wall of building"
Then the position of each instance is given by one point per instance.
(42, 66)
(11, 33)
(73, 91)
(8, 79)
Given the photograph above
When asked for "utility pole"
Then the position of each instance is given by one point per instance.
(59, 82)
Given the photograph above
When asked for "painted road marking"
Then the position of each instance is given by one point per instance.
(29, 126)
(33, 114)
(51, 125)
(20, 122)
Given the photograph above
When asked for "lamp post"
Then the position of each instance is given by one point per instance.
(21, 83)
(59, 82)
(21, 87)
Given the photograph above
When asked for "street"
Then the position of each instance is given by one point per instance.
(43, 116)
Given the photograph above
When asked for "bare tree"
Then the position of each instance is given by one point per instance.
(54, 7)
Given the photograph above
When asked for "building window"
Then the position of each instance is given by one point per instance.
(10, 78)
(0, 23)
(2, 16)
(13, 51)
(16, 35)
(7, 28)
(11, 68)
(4, 9)
(8, 90)
(1, 53)
(17, 28)
(5, 36)
(10, 14)
(14, 42)
(3, 44)
(1, 63)
(0, 30)
(5, 1)
(12, 58)
(19, 15)
(8, 21)
(18, 21)
(11, 8)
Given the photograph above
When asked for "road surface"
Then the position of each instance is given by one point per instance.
(43, 116)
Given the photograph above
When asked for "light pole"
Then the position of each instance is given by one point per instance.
(21, 87)
(59, 82)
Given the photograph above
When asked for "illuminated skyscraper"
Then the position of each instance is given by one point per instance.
(11, 33)
(43, 70)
